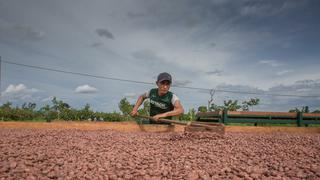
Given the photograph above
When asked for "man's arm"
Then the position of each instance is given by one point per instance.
(177, 111)
(140, 100)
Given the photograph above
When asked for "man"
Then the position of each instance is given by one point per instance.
(163, 103)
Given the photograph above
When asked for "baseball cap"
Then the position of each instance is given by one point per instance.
(164, 77)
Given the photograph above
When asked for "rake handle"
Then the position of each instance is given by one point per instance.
(175, 122)
(163, 120)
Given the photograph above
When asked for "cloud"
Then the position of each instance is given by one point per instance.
(18, 92)
(86, 89)
(213, 44)
(270, 101)
(272, 63)
(302, 87)
(130, 95)
(268, 8)
(299, 89)
(47, 99)
(104, 33)
(146, 54)
(181, 82)
(19, 32)
(15, 89)
(215, 72)
(96, 44)
(261, 9)
(135, 15)
(280, 73)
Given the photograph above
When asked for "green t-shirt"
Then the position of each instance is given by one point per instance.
(161, 104)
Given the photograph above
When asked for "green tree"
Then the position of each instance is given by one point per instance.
(191, 115)
(202, 109)
(250, 103)
(215, 107)
(48, 113)
(316, 111)
(29, 106)
(304, 109)
(146, 108)
(6, 106)
(294, 110)
(60, 107)
(6, 111)
(85, 113)
(125, 107)
(231, 105)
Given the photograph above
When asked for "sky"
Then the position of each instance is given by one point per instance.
(268, 48)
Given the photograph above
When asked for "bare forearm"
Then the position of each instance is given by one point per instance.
(138, 103)
(175, 112)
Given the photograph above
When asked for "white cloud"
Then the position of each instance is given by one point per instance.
(87, 89)
(272, 63)
(18, 92)
(15, 89)
(47, 99)
(280, 73)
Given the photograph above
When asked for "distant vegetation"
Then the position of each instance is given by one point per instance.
(231, 105)
(59, 110)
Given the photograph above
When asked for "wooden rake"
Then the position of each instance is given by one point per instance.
(191, 125)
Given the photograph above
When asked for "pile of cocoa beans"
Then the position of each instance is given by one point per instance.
(107, 154)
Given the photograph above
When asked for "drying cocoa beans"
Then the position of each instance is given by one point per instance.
(106, 154)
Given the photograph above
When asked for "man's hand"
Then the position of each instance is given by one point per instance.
(158, 116)
(134, 113)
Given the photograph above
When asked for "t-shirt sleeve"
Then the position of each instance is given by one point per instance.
(174, 99)
(147, 94)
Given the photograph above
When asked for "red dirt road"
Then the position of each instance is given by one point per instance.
(60, 153)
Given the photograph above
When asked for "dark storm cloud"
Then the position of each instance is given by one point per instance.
(135, 15)
(19, 32)
(164, 14)
(264, 21)
(96, 44)
(104, 33)
(213, 44)
(191, 13)
(234, 34)
(299, 88)
(267, 8)
(303, 87)
(147, 55)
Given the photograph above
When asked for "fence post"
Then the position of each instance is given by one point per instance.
(299, 118)
(224, 116)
